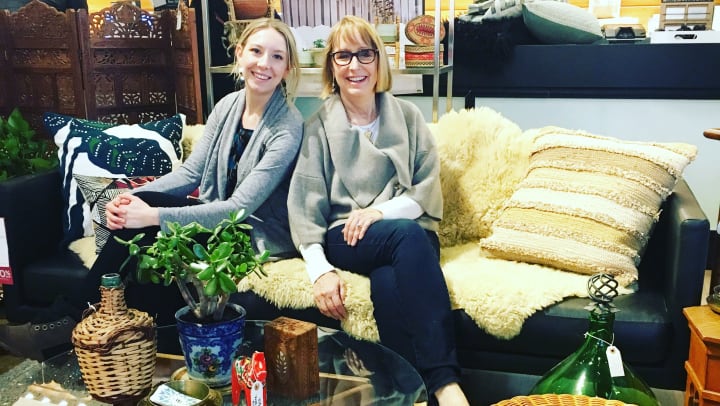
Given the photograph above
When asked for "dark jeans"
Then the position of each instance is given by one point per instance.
(411, 300)
(158, 300)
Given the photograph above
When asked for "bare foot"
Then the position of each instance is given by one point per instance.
(451, 395)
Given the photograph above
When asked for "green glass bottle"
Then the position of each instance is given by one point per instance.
(596, 368)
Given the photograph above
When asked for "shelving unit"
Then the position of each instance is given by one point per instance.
(437, 70)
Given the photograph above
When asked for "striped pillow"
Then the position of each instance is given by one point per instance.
(588, 203)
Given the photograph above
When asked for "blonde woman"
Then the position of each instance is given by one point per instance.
(365, 197)
(243, 161)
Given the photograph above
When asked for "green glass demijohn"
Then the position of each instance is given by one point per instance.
(596, 368)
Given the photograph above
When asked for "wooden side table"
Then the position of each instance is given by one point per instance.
(703, 364)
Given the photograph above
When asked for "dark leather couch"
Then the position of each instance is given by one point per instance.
(650, 329)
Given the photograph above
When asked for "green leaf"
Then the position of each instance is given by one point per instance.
(206, 274)
(227, 284)
(211, 287)
(200, 252)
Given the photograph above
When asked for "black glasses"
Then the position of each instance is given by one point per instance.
(364, 56)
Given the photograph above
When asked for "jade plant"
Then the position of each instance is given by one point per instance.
(212, 262)
(20, 152)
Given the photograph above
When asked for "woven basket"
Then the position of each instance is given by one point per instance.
(421, 55)
(552, 399)
(234, 27)
(116, 349)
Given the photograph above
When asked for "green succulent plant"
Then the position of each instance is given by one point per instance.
(20, 152)
(212, 262)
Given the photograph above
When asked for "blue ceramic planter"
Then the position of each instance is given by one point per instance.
(210, 348)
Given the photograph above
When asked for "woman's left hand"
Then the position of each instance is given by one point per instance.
(358, 223)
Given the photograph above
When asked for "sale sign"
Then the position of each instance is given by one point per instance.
(5, 271)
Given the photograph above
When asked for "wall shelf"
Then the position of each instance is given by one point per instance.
(409, 79)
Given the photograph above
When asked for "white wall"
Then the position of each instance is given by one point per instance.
(637, 120)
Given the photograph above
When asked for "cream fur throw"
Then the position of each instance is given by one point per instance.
(483, 157)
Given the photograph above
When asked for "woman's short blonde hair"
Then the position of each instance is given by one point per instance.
(290, 83)
(356, 29)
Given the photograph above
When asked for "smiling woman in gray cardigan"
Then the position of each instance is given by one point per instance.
(365, 197)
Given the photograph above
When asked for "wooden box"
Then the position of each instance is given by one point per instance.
(291, 353)
(703, 364)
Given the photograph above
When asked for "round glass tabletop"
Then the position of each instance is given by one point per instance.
(352, 372)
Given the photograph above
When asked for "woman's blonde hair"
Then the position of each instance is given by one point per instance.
(290, 83)
(355, 29)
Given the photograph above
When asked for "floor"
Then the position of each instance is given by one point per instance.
(488, 381)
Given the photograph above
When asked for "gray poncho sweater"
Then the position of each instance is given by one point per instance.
(263, 173)
(339, 170)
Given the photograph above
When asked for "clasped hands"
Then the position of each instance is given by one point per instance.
(329, 289)
(129, 211)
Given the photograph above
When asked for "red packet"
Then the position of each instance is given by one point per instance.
(249, 375)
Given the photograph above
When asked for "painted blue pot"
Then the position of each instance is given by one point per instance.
(210, 348)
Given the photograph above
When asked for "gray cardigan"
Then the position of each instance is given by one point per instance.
(263, 173)
(339, 170)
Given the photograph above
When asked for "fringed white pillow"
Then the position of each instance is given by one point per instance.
(588, 203)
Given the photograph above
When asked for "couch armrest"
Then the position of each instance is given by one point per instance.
(676, 257)
(32, 208)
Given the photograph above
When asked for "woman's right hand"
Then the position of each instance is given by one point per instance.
(329, 295)
(115, 211)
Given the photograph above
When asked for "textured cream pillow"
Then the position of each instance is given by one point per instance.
(588, 203)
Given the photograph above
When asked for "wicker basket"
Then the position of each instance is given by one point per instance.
(421, 56)
(116, 349)
(552, 399)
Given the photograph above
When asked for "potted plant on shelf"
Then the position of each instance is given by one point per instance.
(212, 262)
(318, 52)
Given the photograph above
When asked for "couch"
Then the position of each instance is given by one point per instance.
(511, 316)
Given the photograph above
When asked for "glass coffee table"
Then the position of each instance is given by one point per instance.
(352, 372)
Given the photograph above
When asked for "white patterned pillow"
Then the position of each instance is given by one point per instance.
(94, 148)
(588, 203)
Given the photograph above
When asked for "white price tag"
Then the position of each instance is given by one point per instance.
(256, 394)
(615, 361)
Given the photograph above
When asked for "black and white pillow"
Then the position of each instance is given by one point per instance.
(93, 148)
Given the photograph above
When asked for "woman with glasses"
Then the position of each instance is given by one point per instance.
(365, 197)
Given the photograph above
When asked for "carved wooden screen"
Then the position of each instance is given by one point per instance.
(129, 73)
(5, 78)
(185, 58)
(42, 69)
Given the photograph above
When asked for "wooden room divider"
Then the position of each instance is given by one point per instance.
(118, 65)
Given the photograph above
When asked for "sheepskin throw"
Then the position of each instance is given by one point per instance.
(588, 203)
(483, 157)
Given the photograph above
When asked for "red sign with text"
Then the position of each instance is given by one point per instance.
(5, 271)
